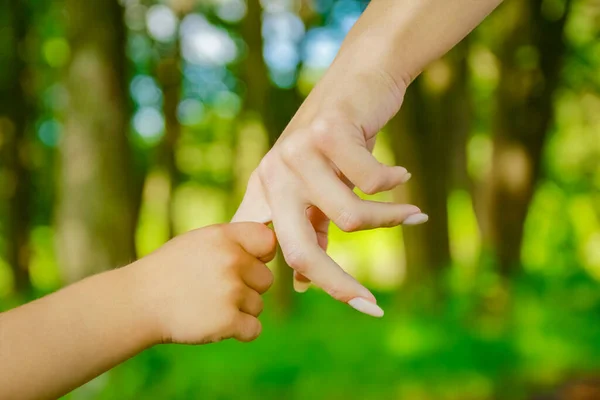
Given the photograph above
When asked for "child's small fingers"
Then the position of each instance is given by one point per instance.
(247, 328)
(258, 277)
(256, 239)
(251, 303)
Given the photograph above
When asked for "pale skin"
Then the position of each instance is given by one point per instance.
(205, 286)
(202, 287)
(306, 180)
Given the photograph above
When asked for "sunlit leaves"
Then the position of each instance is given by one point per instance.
(205, 44)
(56, 52)
(162, 23)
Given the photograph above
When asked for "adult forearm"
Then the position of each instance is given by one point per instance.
(405, 36)
(51, 346)
(388, 47)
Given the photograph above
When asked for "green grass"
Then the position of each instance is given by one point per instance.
(490, 345)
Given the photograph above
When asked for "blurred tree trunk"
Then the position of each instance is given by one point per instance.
(255, 73)
(276, 107)
(15, 116)
(432, 125)
(531, 59)
(459, 116)
(170, 79)
(283, 104)
(255, 76)
(97, 209)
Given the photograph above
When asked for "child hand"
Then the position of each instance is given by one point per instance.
(205, 286)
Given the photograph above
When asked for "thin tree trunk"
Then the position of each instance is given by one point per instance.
(459, 116)
(15, 114)
(276, 107)
(170, 78)
(531, 60)
(255, 73)
(433, 123)
(97, 207)
(255, 76)
(283, 104)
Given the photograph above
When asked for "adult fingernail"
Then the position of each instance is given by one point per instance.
(416, 219)
(300, 286)
(366, 307)
(406, 177)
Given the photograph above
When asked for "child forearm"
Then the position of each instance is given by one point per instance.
(55, 344)
(202, 287)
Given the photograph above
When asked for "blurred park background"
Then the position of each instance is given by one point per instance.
(125, 123)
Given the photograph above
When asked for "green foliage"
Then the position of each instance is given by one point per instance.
(487, 337)
(468, 348)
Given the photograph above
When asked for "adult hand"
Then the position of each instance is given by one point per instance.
(306, 179)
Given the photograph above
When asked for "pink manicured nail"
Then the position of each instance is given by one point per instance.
(300, 286)
(366, 307)
(416, 219)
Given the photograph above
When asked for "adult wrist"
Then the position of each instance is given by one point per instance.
(366, 96)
